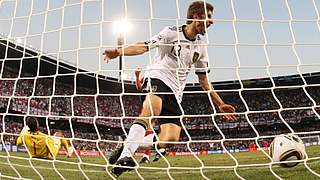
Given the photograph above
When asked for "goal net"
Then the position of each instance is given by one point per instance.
(263, 57)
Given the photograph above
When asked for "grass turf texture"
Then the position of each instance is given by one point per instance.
(216, 166)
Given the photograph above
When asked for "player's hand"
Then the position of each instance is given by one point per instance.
(137, 72)
(111, 54)
(69, 152)
(226, 108)
(25, 130)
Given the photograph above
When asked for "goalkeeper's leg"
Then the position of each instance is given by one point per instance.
(64, 144)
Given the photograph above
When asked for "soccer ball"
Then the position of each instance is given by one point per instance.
(287, 148)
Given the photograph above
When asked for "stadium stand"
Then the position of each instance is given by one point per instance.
(61, 87)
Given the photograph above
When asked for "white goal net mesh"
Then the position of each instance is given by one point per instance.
(263, 57)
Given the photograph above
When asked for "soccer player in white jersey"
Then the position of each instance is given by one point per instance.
(178, 48)
(149, 136)
(148, 139)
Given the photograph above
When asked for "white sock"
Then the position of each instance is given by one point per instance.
(136, 133)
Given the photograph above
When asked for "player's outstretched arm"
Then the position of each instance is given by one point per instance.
(224, 108)
(23, 131)
(132, 50)
(19, 141)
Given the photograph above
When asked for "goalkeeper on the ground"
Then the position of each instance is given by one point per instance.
(40, 145)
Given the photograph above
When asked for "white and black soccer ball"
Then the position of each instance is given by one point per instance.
(287, 148)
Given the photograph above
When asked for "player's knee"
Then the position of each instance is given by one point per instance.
(166, 141)
(141, 121)
(165, 145)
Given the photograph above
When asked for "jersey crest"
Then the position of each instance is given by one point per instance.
(153, 88)
(195, 57)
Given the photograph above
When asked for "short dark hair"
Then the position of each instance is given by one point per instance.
(197, 7)
(32, 123)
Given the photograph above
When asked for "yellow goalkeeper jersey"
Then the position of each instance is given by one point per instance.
(39, 145)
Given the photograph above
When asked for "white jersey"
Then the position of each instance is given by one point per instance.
(174, 57)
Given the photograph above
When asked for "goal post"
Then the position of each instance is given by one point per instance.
(263, 61)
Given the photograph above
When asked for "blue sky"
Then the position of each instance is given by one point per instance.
(78, 31)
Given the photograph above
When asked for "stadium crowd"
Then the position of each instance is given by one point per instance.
(60, 101)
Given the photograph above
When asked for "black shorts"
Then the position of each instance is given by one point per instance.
(170, 106)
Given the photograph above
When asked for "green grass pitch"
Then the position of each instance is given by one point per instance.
(217, 166)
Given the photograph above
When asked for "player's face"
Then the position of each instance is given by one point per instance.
(201, 26)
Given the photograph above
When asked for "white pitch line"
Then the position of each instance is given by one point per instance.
(157, 172)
